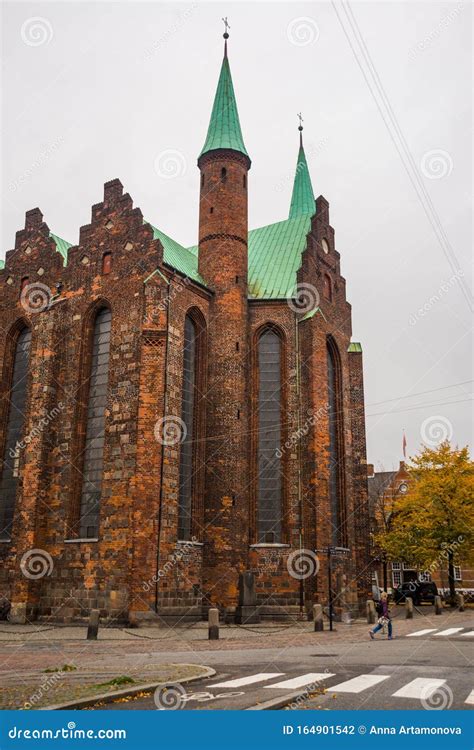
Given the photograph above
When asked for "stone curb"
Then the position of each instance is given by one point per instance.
(280, 702)
(110, 697)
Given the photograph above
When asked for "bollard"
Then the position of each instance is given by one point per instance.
(318, 617)
(438, 605)
(371, 615)
(93, 627)
(409, 608)
(213, 616)
(461, 602)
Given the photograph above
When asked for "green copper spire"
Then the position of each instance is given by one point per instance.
(224, 128)
(302, 198)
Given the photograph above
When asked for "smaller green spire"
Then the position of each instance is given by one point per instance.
(302, 198)
(224, 127)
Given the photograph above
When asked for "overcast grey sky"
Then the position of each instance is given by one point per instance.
(99, 90)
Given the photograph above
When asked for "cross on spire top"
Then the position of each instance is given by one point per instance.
(300, 117)
(226, 34)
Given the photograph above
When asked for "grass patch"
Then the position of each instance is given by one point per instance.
(117, 682)
(64, 668)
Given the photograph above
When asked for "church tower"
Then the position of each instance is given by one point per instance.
(223, 231)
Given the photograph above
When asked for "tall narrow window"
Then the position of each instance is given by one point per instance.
(188, 415)
(106, 263)
(336, 452)
(269, 438)
(14, 432)
(94, 445)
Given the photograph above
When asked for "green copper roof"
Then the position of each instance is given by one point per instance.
(354, 347)
(274, 256)
(177, 256)
(61, 246)
(302, 199)
(224, 128)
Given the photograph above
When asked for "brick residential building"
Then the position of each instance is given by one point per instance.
(171, 417)
(385, 490)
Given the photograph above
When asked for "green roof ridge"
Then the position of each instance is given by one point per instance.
(224, 126)
(302, 198)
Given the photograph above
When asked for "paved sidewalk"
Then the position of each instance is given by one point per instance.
(44, 664)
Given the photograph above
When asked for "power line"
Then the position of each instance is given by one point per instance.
(386, 111)
(420, 406)
(420, 393)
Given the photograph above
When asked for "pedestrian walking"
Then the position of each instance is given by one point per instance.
(384, 617)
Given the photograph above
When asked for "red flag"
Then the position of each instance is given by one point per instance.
(404, 445)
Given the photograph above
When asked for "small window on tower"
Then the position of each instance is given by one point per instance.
(223, 174)
(211, 210)
(327, 291)
(202, 180)
(106, 263)
(245, 182)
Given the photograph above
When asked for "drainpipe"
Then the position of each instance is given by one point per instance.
(162, 463)
(298, 452)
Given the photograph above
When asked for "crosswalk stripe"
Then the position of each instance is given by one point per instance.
(421, 687)
(249, 680)
(358, 684)
(470, 698)
(449, 631)
(470, 632)
(304, 679)
(421, 632)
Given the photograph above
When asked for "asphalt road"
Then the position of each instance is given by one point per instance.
(409, 672)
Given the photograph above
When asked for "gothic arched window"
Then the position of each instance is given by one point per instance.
(190, 420)
(336, 446)
(92, 468)
(269, 435)
(14, 431)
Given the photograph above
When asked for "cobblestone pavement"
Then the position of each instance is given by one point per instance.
(42, 664)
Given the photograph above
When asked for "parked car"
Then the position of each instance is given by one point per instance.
(419, 591)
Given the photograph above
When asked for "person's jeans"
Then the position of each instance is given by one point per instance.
(379, 627)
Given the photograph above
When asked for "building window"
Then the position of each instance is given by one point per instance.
(336, 447)
(223, 174)
(95, 427)
(457, 573)
(245, 182)
(14, 432)
(269, 466)
(327, 287)
(396, 577)
(396, 566)
(424, 577)
(202, 179)
(106, 263)
(186, 469)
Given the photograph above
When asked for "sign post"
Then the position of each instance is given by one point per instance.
(331, 551)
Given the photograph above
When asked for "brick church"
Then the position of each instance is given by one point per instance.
(171, 417)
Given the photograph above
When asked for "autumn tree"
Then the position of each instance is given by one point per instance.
(433, 525)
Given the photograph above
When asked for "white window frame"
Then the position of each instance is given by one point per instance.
(457, 573)
(396, 577)
(396, 566)
(424, 577)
